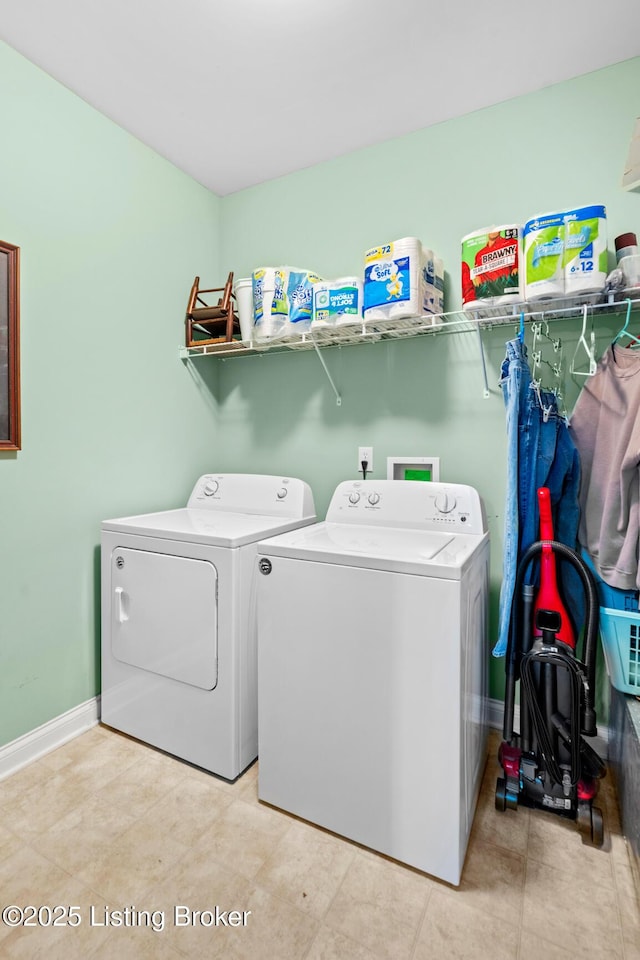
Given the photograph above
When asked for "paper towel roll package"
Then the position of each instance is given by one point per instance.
(565, 253)
(543, 255)
(585, 250)
(490, 265)
(401, 280)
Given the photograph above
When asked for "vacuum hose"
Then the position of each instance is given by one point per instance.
(589, 648)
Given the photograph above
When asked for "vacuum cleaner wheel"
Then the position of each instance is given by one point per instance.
(504, 797)
(590, 824)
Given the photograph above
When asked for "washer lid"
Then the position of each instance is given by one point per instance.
(422, 552)
(216, 528)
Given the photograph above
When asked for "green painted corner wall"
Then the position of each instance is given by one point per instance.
(113, 423)
(563, 146)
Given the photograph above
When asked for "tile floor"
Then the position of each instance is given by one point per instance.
(105, 822)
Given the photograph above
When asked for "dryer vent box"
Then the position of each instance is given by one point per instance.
(413, 468)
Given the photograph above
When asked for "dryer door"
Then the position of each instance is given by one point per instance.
(164, 615)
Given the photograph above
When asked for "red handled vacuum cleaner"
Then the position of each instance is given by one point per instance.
(548, 764)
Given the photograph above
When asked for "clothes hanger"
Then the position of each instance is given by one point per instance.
(623, 332)
(556, 341)
(589, 348)
(536, 352)
(546, 410)
(540, 330)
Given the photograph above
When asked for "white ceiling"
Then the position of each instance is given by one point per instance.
(238, 92)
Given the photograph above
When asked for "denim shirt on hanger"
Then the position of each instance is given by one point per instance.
(540, 453)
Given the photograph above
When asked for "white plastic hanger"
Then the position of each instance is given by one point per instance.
(589, 348)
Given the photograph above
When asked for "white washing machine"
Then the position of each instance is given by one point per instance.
(179, 617)
(373, 669)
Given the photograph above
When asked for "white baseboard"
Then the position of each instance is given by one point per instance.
(496, 713)
(42, 740)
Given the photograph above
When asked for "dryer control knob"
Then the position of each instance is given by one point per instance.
(354, 497)
(445, 502)
(281, 494)
(374, 498)
(210, 487)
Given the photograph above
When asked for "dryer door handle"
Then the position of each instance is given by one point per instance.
(121, 613)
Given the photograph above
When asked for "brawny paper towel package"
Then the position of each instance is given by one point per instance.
(585, 250)
(396, 278)
(543, 254)
(490, 267)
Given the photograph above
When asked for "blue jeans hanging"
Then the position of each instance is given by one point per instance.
(540, 453)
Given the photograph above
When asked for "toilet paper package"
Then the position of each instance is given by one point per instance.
(270, 314)
(585, 250)
(432, 286)
(543, 255)
(400, 279)
(337, 302)
(282, 301)
(300, 284)
(490, 265)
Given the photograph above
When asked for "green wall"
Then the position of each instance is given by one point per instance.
(113, 423)
(561, 147)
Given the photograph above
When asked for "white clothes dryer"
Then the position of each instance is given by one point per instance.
(179, 617)
(373, 669)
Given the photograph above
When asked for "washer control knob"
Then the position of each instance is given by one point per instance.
(374, 498)
(445, 502)
(281, 494)
(354, 497)
(210, 487)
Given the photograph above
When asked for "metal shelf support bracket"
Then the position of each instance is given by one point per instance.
(329, 377)
(486, 393)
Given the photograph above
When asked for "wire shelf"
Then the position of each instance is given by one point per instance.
(467, 320)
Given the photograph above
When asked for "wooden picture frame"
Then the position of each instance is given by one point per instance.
(9, 347)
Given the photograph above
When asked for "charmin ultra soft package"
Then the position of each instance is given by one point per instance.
(402, 279)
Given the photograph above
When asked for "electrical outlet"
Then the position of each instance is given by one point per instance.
(365, 453)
